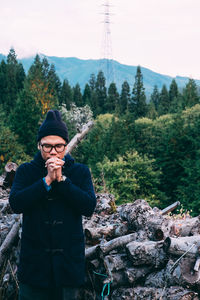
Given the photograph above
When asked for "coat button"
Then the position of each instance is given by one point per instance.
(49, 199)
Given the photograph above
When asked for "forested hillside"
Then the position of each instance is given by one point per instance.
(77, 70)
(135, 150)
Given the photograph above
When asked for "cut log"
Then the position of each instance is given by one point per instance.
(119, 242)
(197, 264)
(90, 253)
(105, 204)
(116, 262)
(177, 246)
(107, 232)
(10, 169)
(136, 214)
(170, 208)
(143, 293)
(133, 274)
(8, 242)
(181, 274)
(118, 279)
(147, 253)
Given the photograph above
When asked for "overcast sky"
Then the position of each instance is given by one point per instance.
(163, 35)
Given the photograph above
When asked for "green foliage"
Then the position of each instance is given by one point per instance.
(101, 94)
(131, 177)
(124, 98)
(24, 121)
(190, 94)
(66, 95)
(77, 96)
(164, 102)
(112, 99)
(12, 77)
(138, 102)
(10, 149)
(155, 97)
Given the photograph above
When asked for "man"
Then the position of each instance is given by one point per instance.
(52, 192)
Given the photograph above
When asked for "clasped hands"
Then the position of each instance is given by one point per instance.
(54, 169)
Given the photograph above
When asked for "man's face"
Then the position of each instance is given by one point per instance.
(52, 140)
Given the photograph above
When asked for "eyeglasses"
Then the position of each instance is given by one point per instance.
(48, 147)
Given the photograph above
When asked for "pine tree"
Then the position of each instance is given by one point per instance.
(93, 99)
(101, 95)
(66, 95)
(124, 98)
(112, 99)
(77, 96)
(41, 85)
(3, 83)
(155, 97)
(164, 103)
(92, 82)
(87, 95)
(54, 81)
(173, 91)
(190, 94)
(24, 119)
(138, 102)
(15, 76)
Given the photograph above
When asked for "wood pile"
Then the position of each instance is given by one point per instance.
(133, 251)
(138, 252)
(9, 244)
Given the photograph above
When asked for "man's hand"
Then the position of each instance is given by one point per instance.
(54, 169)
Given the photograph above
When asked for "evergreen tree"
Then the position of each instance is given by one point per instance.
(77, 96)
(113, 98)
(93, 98)
(92, 82)
(124, 98)
(155, 97)
(87, 95)
(24, 120)
(164, 103)
(190, 94)
(15, 76)
(138, 102)
(173, 91)
(101, 95)
(66, 95)
(151, 111)
(41, 85)
(3, 83)
(53, 81)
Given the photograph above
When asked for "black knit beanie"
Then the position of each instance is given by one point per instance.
(53, 125)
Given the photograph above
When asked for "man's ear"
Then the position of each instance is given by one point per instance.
(38, 146)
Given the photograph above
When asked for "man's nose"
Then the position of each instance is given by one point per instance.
(53, 151)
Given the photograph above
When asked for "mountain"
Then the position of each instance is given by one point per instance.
(77, 70)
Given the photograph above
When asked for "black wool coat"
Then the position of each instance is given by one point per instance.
(52, 244)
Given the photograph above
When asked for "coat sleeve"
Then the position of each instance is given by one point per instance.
(23, 196)
(81, 198)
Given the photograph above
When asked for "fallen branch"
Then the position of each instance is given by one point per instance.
(9, 240)
(79, 136)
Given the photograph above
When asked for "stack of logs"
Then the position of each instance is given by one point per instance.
(9, 241)
(133, 251)
(136, 252)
